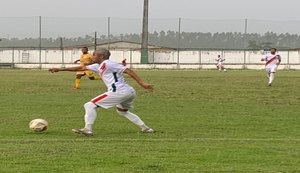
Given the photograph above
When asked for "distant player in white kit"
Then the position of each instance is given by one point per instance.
(272, 61)
(119, 94)
(220, 65)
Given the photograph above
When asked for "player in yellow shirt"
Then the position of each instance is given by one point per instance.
(85, 59)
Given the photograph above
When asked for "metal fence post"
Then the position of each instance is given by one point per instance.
(108, 32)
(40, 42)
(130, 59)
(245, 39)
(245, 54)
(62, 52)
(288, 60)
(178, 43)
(200, 58)
(13, 57)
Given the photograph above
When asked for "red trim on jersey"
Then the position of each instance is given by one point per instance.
(102, 69)
(99, 98)
(271, 60)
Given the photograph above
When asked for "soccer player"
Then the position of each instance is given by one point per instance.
(272, 61)
(119, 94)
(85, 59)
(220, 65)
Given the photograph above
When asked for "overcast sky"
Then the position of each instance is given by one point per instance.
(279, 16)
(202, 9)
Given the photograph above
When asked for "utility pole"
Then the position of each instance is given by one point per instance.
(144, 51)
(95, 41)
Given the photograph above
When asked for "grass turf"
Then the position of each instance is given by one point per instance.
(206, 121)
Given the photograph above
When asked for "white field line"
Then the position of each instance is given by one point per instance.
(154, 140)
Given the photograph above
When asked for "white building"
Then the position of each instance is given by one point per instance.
(159, 57)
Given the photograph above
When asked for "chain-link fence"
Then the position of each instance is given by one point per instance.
(51, 40)
(158, 58)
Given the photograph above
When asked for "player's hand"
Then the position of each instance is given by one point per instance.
(124, 63)
(147, 86)
(52, 70)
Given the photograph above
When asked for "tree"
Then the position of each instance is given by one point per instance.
(253, 45)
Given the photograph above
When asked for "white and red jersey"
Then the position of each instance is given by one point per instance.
(220, 60)
(272, 60)
(112, 75)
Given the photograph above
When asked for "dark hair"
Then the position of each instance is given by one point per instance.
(273, 48)
(85, 48)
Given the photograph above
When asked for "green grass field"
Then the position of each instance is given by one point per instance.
(206, 121)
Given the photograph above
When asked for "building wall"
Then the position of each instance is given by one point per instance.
(187, 59)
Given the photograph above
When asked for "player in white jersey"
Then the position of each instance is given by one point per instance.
(220, 65)
(272, 61)
(119, 93)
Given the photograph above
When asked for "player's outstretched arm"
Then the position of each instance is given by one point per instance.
(279, 60)
(79, 68)
(133, 75)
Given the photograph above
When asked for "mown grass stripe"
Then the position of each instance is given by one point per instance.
(152, 140)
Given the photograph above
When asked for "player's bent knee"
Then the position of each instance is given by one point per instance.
(122, 112)
(89, 105)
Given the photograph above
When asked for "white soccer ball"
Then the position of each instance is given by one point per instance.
(38, 125)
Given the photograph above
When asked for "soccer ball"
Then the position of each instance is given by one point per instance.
(38, 125)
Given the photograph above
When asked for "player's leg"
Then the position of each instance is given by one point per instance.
(90, 115)
(271, 78)
(123, 110)
(219, 67)
(268, 75)
(268, 70)
(94, 78)
(89, 118)
(105, 100)
(272, 74)
(135, 120)
(77, 80)
(91, 76)
(223, 68)
(272, 71)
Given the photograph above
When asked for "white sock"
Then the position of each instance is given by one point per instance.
(271, 78)
(133, 118)
(90, 115)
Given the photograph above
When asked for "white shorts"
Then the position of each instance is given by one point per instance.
(271, 69)
(123, 100)
(220, 64)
